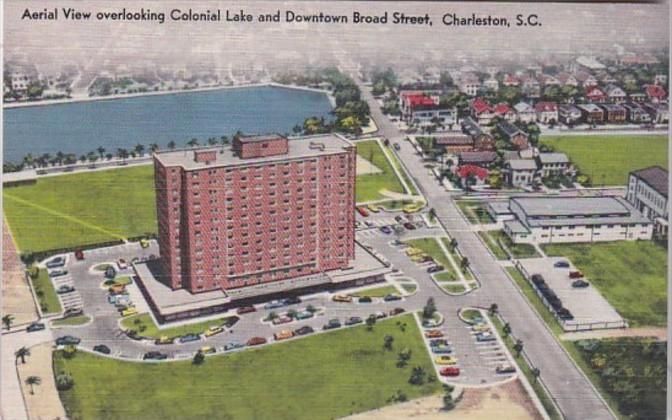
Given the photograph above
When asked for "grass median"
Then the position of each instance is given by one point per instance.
(44, 289)
(144, 325)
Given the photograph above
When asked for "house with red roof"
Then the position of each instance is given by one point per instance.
(503, 110)
(482, 111)
(655, 93)
(511, 80)
(595, 94)
(421, 109)
(585, 79)
(547, 112)
(466, 171)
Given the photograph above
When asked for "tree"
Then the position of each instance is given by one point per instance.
(448, 402)
(212, 141)
(432, 214)
(32, 381)
(429, 309)
(101, 151)
(518, 347)
(64, 381)
(7, 321)
(153, 147)
(193, 142)
(464, 264)
(403, 357)
(199, 358)
(171, 145)
(387, 342)
(272, 315)
(399, 396)
(370, 322)
(493, 309)
(453, 245)
(535, 373)
(506, 329)
(139, 149)
(22, 353)
(418, 375)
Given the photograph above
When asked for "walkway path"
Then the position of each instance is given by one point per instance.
(653, 332)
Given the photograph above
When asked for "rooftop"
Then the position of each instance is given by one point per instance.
(522, 164)
(510, 129)
(553, 158)
(656, 177)
(477, 157)
(299, 147)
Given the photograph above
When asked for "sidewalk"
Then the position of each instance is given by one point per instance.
(44, 403)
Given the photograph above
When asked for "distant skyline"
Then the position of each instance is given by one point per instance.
(567, 28)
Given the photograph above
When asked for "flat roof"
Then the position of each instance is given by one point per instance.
(553, 158)
(571, 206)
(299, 147)
(515, 226)
(261, 137)
(522, 164)
(500, 207)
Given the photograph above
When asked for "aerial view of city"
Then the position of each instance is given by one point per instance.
(265, 219)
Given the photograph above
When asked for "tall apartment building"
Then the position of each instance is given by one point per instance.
(265, 210)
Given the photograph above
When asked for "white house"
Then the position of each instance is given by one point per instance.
(525, 112)
(553, 163)
(647, 191)
(520, 172)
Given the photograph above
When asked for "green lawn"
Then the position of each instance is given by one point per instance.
(607, 159)
(409, 287)
(453, 288)
(445, 276)
(80, 209)
(527, 371)
(475, 211)
(369, 185)
(630, 275)
(75, 320)
(497, 240)
(430, 247)
(400, 168)
(325, 376)
(493, 245)
(377, 292)
(46, 295)
(457, 258)
(145, 326)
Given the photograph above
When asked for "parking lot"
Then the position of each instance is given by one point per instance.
(589, 308)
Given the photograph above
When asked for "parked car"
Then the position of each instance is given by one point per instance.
(154, 355)
(79, 254)
(274, 304)
(71, 312)
(445, 360)
(561, 264)
(362, 211)
(537, 278)
(189, 338)
(35, 326)
(122, 264)
(412, 251)
(580, 283)
(365, 299)
(438, 342)
(256, 341)
(391, 297)
(65, 289)
(307, 329)
(386, 230)
(373, 208)
(399, 219)
(282, 320)
(213, 330)
(144, 243)
(67, 340)
(117, 289)
(233, 345)
(102, 348)
(58, 273)
(342, 298)
(485, 336)
(380, 315)
(56, 262)
(207, 350)
(409, 226)
(129, 311)
(450, 371)
(435, 268)
(303, 315)
(433, 334)
(164, 340)
(333, 323)
(246, 310)
(507, 368)
(353, 320)
(292, 300)
(397, 311)
(575, 274)
(427, 258)
(396, 146)
(283, 335)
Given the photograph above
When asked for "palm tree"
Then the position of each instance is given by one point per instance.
(33, 380)
(417, 376)
(224, 140)
(22, 353)
(464, 264)
(370, 322)
(171, 145)
(535, 373)
(59, 157)
(122, 153)
(518, 347)
(101, 151)
(7, 321)
(506, 329)
(28, 160)
(493, 309)
(387, 342)
(453, 244)
(193, 142)
(64, 381)
(238, 135)
(153, 147)
(212, 141)
(139, 149)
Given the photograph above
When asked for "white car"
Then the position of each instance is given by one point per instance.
(122, 264)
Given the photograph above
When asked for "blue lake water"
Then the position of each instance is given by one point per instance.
(122, 123)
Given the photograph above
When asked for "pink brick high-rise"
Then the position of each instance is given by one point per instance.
(267, 209)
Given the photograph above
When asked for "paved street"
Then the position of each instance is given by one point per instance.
(573, 392)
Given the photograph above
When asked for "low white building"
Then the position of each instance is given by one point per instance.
(525, 112)
(575, 219)
(647, 191)
(553, 163)
(520, 172)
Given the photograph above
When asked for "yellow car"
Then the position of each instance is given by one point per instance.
(164, 340)
(481, 328)
(342, 298)
(413, 251)
(213, 331)
(129, 312)
(411, 208)
(144, 243)
(373, 208)
(418, 258)
(445, 360)
(208, 349)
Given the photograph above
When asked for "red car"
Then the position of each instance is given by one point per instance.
(450, 371)
(256, 341)
(362, 211)
(246, 310)
(409, 226)
(79, 254)
(575, 274)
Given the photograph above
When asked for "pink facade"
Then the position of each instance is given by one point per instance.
(236, 222)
